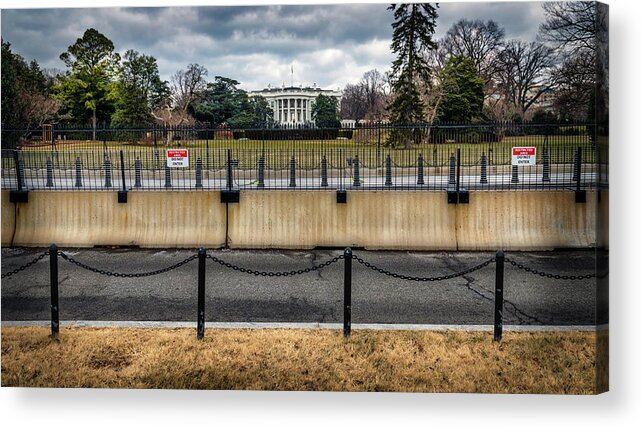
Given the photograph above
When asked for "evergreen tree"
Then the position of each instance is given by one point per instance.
(325, 111)
(413, 28)
(87, 90)
(462, 89)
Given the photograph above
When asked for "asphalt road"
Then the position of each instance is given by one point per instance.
(233, 296)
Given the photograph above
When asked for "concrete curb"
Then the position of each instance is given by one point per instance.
(331, 326)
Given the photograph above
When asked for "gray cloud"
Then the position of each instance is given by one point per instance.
(330, 45)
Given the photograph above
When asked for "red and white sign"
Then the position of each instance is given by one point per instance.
(177, 158)
(523, 156)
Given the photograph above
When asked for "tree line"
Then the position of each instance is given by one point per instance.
(473, 73)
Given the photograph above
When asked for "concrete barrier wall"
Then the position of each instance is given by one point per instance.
(149, 219)
(305, 219)
(374, 220)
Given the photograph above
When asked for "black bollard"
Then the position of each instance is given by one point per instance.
(107, 172)
(200, 320)
(138, 172)
(388, 182)
(292, 172)
(546, 171)
(356, 174)
(420, 170)
(78, 172)
(324, 172)
(514, 176)
(168, 177)
(53, 277)
(49, 173)
(347, 291)
(451, 169)
(499, 296)
(261, 181)
(199, 173)
(484, 177)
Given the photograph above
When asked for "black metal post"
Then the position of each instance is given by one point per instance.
(138, 172)
(514, 174)
(292, 172)
(451, 169)
(575, 174)
(168, 176)
(484, 173)
(78, 172)
(324, 172)
(49, 173)
(199, 173)
(19, 177)
(107, 172)
(499, 296)
(458, 170)
(420, 170)
(200, 328)
(261, 181)
(578, 168)
(546, 169)
(122, 170)
(347, 292)
(356, 175)
(53, 276)
(388, 182)
(230, 179)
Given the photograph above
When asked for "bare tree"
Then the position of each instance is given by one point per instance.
(578, 31)
(187, 86)
(374, 88)
(353, 102)
(478, 40)
(38, 108)
(525, 73)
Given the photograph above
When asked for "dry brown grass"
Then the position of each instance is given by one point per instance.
(412, 361)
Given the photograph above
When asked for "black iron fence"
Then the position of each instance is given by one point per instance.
(500, 304)
(428, 157)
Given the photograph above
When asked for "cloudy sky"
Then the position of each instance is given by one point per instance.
(330, 45)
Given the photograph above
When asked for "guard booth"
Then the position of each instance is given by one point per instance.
(47, 133)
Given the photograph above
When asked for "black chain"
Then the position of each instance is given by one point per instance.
(271, 274)
(549, 275)
(127, 275)
(417, 278)
(23, 267)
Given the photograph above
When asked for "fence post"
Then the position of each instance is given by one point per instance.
(78, 172)
(168, 176)
(200, 322)
(347, 291)
(388, 182)
(484, 173)
(420, 170)
(138, 172)
(199, 173)
(458, 171)
(514, 176)
(451, 169)
(546, 172)
(292, 172)
(230, 178)
(578, 168)
(324, 172)
(575, 172)
(261, 182)
(122, 170)
(107, 172)
(499, 296)
(53, 276)
(357, 175)
(49, 173)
